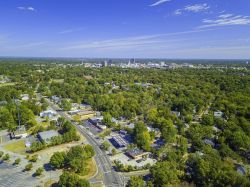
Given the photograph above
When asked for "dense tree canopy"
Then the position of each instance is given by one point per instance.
(198, 146)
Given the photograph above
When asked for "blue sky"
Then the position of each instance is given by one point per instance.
(125, 28)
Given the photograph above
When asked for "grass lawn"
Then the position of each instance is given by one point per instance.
(49, 183)
(96, 185)
(77, 118)
(16, 147)
(92, 169)
(45, 124)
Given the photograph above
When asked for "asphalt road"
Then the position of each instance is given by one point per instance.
(111, 178)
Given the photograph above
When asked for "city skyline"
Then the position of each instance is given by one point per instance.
(125, 29)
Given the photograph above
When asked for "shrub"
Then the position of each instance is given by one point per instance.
(28, 167)
(34, 158)
(17, 161)
(1, 153)
(39, 171)
(6, 157)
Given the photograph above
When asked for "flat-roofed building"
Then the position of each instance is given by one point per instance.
(137, 153)
(119, 141)
(47, 135)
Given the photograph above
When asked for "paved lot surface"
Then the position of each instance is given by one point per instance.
(12, 176)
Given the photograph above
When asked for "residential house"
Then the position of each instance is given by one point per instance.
(242, 170)
(218, 114)
(48, 113)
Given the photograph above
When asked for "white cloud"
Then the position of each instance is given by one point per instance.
(159, 2)
(197, 8)
(21, 8)
(132, 42)
(192, 8)
(71, 30)
(28, 8)
(178, 12)
(225, 15)
(226, 20)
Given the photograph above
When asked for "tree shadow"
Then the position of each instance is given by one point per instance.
(48, 167)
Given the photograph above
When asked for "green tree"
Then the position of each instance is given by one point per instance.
(75, 152)
(57, 160)
(68, 179)
(136, 182)
(27, 117)
(114, 151)
(207, 120)
(6, 120)
(105, 145)
(78, 165)
(66, 104)
(37, 146)
(89, 151)
(168, 131)
(107, 119)
(142, 136)
(165, 173)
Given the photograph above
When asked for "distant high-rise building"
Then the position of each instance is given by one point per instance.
(105, 63)
(110, 62)
(132, 61)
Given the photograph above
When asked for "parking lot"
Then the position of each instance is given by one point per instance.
(12, 176)
(4, 136)
(92, 128)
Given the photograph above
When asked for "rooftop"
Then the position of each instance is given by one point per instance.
(120, 141)
(46, 135)
(135, 152)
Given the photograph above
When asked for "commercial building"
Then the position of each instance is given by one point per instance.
(119, 141)
(47, 135)
(137, 153)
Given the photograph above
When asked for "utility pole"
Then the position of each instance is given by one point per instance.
(18, 114)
